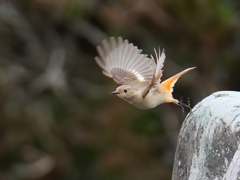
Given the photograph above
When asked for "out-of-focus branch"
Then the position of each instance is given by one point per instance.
(84, 29)
(35, 169)
(53, 76)
(23, 29)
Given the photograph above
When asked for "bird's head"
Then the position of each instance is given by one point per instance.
(126, 92)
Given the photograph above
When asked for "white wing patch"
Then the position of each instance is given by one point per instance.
(138, 75)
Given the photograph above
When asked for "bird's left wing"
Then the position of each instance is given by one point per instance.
(124, 62)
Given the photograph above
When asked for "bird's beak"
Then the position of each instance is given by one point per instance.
(115, 92)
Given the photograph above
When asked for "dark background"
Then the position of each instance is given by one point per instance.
(58, 119)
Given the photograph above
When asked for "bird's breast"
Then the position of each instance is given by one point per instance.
(153, 99)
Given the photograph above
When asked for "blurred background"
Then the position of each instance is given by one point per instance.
(58, 119)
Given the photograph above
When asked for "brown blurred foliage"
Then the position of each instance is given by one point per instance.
(58, 118)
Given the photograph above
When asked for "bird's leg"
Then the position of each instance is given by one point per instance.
(182, 104)
(188, 100)
(181, 99)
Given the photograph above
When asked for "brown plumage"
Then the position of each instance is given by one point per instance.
(139, 76)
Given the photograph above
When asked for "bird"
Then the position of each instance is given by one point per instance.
(139, 76)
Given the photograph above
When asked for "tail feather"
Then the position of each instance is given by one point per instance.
(169, 83)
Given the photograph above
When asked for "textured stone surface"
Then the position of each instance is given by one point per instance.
(208, 144)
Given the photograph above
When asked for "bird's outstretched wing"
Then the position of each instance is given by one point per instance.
(124, 62)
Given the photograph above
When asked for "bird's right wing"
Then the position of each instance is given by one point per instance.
(160, 58)
(124, 62)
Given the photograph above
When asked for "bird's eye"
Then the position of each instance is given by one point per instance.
(125, 90)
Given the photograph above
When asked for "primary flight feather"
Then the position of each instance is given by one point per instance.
(139, 76)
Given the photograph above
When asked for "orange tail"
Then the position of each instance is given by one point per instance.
(169, 83)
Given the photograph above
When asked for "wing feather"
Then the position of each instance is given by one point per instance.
(101, 52)
(107, 74)
(124, 62)
(100, 63)
(160, 58)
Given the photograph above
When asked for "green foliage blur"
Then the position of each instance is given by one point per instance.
(58, 119)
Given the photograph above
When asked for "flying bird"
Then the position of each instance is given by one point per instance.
(139, 76)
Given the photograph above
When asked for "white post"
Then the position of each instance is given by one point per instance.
(209, 141)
